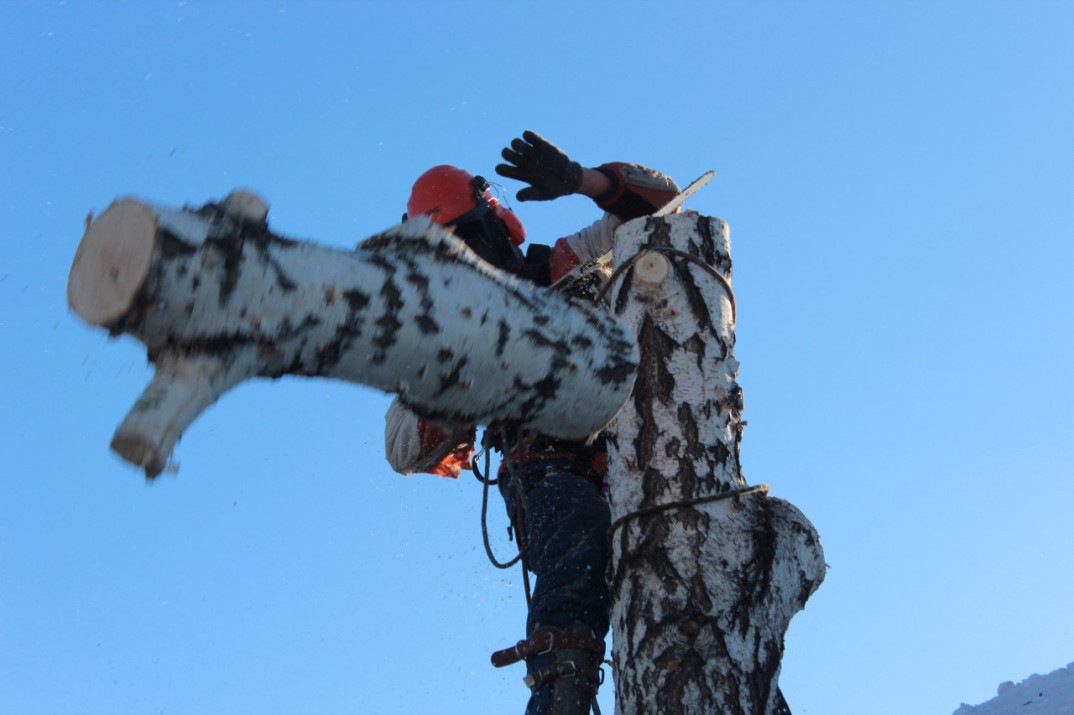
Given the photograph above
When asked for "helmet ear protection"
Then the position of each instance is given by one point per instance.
(456, 199)
(482, 229)
(447, 193)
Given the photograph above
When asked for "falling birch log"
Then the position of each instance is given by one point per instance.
(706, 571)
(217, 299)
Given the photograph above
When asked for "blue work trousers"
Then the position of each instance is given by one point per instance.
(564, 520)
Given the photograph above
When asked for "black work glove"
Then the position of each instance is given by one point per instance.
(548, 171)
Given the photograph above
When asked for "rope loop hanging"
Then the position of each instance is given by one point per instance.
(519, 527)
(485, 482)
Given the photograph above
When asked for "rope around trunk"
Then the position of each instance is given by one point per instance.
(678, 254)
(657, 508)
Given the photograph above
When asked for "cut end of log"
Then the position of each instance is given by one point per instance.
(651, 269)
(140, 453)
(112, 262)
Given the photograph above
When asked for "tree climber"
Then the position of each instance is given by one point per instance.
(553, 488)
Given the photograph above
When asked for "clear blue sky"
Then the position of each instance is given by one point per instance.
(899, 181)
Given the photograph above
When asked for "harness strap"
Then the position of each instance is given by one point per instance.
(594, 676)
(544, 642)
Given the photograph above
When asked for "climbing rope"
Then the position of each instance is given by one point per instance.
(520, 509)
(519, 529)
(657, 508)
(486, 481)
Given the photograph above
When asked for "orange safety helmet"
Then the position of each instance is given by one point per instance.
(457, 199)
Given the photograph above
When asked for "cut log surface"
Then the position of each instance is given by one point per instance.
(703, 592)
(112, 262)
(218, 298)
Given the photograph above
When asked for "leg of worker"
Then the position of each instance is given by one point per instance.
(567, 522)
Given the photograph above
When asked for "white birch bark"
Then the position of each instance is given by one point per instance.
(702, 594)
(217, 298)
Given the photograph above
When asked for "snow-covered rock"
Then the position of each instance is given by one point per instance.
(1051, 694)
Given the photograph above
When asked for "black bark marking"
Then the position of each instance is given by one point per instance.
(694, 344)
(171, 246)
(388, 323)
(582, 342)
(659, 232)
(541, 340)
(706, 250)
(624, 290)
(437, 245)
(297, 365)
(734, 409)
(736, 403)
(419, 281)
(452, 378)
(231, 249)
(685, 415)
(328, 355)
(427, 325)
(654, 384)
(536, 396)
(699, 307)
(257, 235)
(616, 372)
(284, 281)
(546, 388)
(425, 322)
(709, 251)
(719, 454)
(503, 337)
(288, 331)
(692, 484)
(671, 448)
(222, 345)
(357, 300)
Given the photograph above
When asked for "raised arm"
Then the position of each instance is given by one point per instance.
(627, 191)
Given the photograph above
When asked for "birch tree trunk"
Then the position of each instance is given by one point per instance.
(217, 299)
(704, 583)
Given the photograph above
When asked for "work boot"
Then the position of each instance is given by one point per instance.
(564, 680)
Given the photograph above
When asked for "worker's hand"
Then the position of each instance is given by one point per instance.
(549, 172)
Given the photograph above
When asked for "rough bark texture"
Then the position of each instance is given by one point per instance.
(217, 298)
(703, 593)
